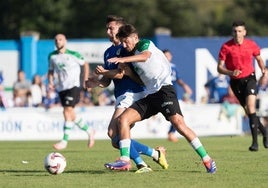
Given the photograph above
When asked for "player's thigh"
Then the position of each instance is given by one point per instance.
(251, 103)
(113, 125)
(129, 117)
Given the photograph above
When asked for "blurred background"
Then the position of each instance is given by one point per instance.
(85, 18)
(193, 30)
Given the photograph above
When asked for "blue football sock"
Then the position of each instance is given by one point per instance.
(171, 129)
(134, 154)
(135, 149)
(145, 150)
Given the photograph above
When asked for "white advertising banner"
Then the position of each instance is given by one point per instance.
(39, 124)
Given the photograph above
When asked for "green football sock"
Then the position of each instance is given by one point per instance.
(81, 124)
(67, 129)
(199, 148)
(125, 149)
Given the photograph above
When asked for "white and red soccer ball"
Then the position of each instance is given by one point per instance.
(55, 163)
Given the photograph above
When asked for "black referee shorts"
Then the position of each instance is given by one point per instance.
(244, 87)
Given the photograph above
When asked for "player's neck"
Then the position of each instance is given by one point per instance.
(61, 50)
(116, 43)
(239, 41)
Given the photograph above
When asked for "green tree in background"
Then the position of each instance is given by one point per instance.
(46, 17)
(86, 18)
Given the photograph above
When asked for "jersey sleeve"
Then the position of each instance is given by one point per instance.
(143, 45)
(223, 53)
(79, 58)
(256, 49)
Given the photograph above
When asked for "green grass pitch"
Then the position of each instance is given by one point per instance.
(21, 165)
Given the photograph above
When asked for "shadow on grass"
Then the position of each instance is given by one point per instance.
(87, 171)
(104, 171)
(41, 172)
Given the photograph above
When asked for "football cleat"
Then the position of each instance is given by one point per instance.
(143, 169)
(253, 147)
(210, 166)
(119, 165)
(162, 161)
(265, 142)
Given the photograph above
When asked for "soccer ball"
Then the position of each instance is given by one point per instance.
(55, 163)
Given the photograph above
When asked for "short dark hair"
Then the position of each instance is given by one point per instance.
(118, 19)
(239, 23)
(166, 50)
(126, 30)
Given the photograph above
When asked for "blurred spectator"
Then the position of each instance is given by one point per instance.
(101, 97)
(262, 99)
(217, 88)
(2, 105)
(29, 100)
(187, 98)
(230, 105)
(262, 85)
(20, 89)
(52, 99)
(2, 96)
(85, 99)
(38, 91)
(177, 81)
(230, 97)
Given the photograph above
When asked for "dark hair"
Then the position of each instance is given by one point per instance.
(239, 23)
(118, 19)
(126, 30)
(166, 50)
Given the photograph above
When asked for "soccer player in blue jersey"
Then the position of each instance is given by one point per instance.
(127, 89)
(217, 88)
(176, 81)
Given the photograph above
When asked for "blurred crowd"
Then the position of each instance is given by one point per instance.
(35, 93)
(219, 91)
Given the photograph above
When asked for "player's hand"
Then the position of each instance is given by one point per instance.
(125, 69)
(99, 70)
(236, 72)
(92, 82)
(115, 60)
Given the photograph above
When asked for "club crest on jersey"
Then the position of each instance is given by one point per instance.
(252, 90)
(118, 52)
(61, 65)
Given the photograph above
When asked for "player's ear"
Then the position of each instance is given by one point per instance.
(136, 37)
